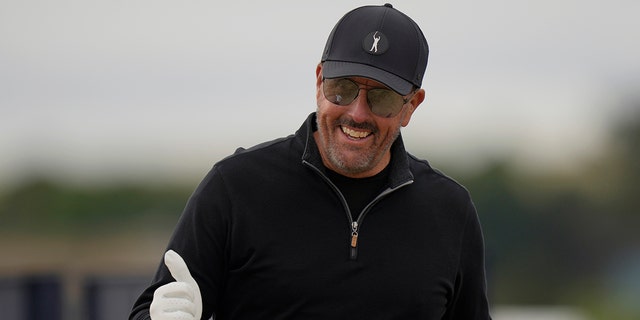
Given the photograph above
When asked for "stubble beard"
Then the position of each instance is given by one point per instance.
(366, 160)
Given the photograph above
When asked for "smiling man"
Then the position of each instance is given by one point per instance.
(337, 221)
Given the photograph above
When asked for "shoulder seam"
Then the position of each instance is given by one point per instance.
(260, 146)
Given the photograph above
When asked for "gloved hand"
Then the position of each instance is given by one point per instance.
(179, 300)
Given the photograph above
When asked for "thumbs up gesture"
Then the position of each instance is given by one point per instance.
(179, 300)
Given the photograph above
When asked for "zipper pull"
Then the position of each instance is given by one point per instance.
(353, 255)
(354, 234)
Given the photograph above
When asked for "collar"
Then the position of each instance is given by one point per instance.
(399, 170)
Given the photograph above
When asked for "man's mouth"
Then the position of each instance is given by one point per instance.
(355, 134)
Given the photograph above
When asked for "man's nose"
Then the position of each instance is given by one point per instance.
(359, 109)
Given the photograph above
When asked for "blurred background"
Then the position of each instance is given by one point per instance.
(111, 112)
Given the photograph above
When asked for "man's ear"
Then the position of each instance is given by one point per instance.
(318, 79)
(319, 74)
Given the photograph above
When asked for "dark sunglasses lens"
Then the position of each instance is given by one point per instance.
(384, 102)
(340, 91)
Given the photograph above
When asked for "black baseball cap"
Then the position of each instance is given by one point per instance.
(380, 43)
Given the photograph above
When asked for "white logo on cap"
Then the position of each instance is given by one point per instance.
(376, 39)
(375, 43)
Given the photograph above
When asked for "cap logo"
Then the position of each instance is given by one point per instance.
(375, 43)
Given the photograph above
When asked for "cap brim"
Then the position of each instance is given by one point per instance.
(337, 69)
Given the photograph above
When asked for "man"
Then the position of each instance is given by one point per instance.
(337, 221)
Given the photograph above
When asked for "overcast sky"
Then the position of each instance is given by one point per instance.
(135, 88)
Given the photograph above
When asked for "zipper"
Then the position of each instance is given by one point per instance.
(354, 225)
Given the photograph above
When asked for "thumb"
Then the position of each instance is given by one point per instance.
(178, 267)
(179, 271)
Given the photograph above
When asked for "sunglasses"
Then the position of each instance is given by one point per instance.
(383, 102)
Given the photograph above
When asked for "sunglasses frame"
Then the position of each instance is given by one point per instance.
(393, 114)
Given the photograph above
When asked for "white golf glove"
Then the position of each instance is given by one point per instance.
(178, 300)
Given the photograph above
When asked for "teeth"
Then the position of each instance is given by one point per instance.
(355, 134)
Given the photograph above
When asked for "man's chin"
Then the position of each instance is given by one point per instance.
(350, 165)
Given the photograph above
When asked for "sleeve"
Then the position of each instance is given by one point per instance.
(200, 238)
(470, 296)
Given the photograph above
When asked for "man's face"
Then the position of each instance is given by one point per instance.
(352, 140)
